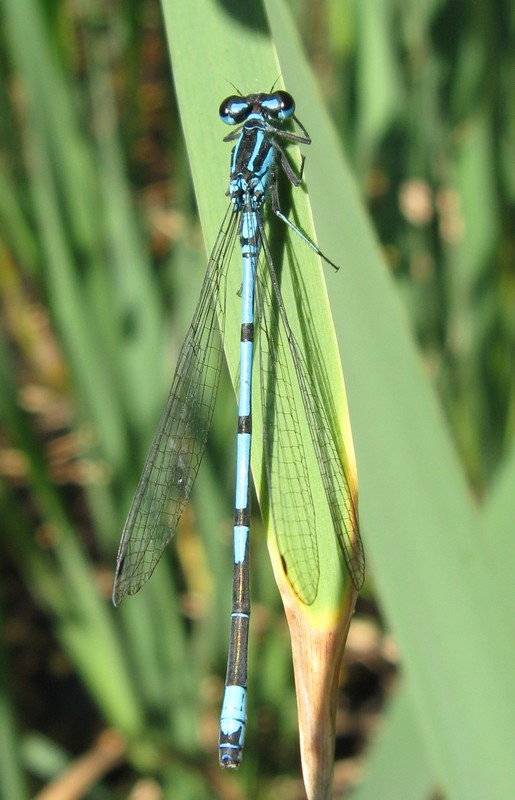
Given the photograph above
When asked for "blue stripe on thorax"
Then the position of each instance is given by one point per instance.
(259, 161)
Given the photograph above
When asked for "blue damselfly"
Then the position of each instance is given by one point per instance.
(180, 440)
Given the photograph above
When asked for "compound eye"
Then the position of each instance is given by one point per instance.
(234, 110)
(279, 105)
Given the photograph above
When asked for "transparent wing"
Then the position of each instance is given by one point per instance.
(296, 536)
(179, 443)
(291, 502)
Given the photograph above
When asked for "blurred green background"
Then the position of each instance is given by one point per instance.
(99, 243)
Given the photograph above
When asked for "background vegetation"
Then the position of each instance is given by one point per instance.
(100, 264)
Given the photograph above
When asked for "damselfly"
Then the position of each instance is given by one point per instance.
(180, 440)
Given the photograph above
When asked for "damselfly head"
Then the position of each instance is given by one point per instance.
(278, 105)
